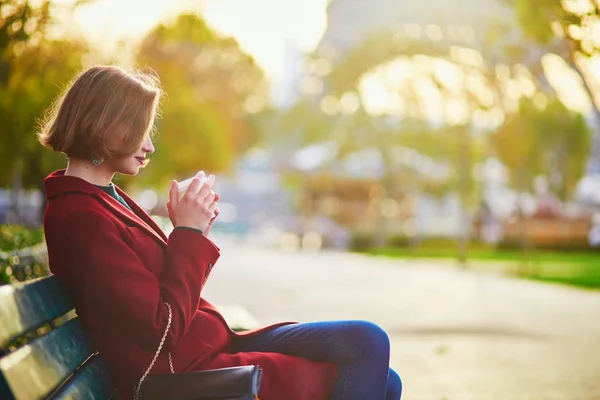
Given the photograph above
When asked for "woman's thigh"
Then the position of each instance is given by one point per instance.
(339, 342)
(394, 386)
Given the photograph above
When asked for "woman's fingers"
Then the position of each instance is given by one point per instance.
(206, 195)
(210, 198)
(192, 190)
(173, 199)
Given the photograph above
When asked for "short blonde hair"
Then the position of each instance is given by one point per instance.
(102, 105)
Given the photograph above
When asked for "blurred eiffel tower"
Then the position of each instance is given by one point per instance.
(448, 22)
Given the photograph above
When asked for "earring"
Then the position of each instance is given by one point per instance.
(96, 161)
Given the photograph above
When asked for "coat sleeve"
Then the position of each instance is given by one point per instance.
(113, 283)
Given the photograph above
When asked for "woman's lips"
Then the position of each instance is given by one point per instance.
(141, 160)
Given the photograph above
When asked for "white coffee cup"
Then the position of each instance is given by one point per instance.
(183, 185)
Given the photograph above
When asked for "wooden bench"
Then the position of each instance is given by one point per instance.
(44, 353)
(550, 233)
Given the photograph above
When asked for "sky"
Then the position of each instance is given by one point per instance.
(262, 27)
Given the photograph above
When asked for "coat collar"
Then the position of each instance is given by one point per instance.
(57, 184)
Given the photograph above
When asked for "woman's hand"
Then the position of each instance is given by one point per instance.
(208, 228)
(197, 207)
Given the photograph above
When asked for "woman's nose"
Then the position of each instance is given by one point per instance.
(148, 146)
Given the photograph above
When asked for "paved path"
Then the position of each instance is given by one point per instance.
(456, 335)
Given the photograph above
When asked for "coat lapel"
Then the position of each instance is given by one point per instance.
(138, 217)
(57, 183)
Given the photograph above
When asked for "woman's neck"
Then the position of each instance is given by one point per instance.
(96, 174)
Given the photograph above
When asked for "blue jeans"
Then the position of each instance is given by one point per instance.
(360, 349)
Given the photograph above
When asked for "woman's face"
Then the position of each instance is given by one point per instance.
(131, 165)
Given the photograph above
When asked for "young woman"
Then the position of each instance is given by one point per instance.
(124, 273)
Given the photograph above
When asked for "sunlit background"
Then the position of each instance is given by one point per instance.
(269, 30)
(432, 141)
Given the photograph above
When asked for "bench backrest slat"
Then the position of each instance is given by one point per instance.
(91, 381)
(25, 307)
(38, 368)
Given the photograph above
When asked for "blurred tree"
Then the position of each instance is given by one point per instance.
(211, 87)
(545, 140)
(542, 138)
(20, 23)
(568, 28)
(39, 72)
(33, 69)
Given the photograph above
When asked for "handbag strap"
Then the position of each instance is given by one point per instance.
(160, 346)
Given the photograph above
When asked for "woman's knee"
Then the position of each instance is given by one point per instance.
(368, 336)
(394, 385)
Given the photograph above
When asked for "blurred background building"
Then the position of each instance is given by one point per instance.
(461, 22)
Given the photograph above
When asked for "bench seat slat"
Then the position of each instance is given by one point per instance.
(35, 370)
(91, 382)
(25, 307)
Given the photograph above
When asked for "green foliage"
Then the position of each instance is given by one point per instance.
(209, 83)
(20, 22)
(39, 72)
(576, 267)
(14, 237)
(568, 28)
(582, 275)
(551, 141)
(547, 20)
(33, 70)
(538, 28)
(22, 254)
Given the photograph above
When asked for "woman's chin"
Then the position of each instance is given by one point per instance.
(132, 168)
(133, 171)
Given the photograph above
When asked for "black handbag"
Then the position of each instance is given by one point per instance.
(235, 383)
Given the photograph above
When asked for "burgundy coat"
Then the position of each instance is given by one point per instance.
(119, 267)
